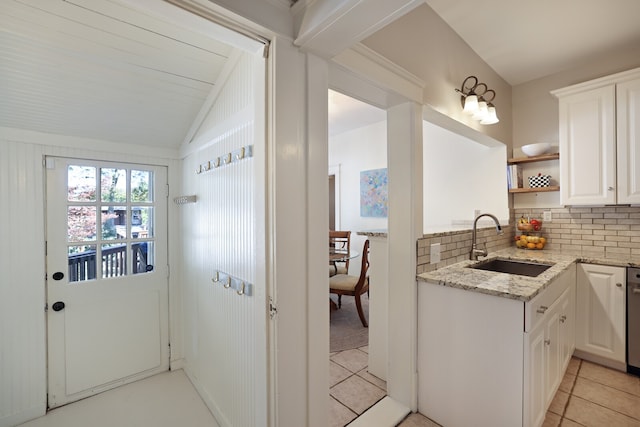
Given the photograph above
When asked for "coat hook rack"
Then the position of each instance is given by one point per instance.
(226, 159)
(242, 287)
(183, 200)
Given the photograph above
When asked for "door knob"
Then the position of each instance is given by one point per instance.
(57, 306)
(58, 275)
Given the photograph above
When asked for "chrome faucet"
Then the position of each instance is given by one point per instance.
(475, 252)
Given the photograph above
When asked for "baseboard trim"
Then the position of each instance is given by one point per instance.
(613, 364)
(386, 413)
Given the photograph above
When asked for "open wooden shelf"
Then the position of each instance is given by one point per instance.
(535, 189)
(542, 158)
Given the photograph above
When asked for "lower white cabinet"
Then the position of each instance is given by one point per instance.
(548, 349)
(475, 353)
(601, 313)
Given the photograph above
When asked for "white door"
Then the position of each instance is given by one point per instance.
(600, 311)
(107, 287)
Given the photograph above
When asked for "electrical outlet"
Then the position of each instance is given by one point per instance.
(435, 253)
(546, 216)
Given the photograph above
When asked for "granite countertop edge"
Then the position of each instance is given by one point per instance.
(513, 286)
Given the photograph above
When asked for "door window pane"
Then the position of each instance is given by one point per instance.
(81, 183)
(113, 185)
(114, 260)
(141, 186)
(82, 263)
(141, 222)
(143, 257)
(114, 222)
(81, 223)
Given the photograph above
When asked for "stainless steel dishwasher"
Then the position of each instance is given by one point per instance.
(633, 320)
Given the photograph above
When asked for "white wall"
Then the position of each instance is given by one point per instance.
(22, 259)
(225, 345)
(443, 61)
(461, 176)
(355, 151)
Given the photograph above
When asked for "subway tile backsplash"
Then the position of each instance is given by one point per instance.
(603, 231)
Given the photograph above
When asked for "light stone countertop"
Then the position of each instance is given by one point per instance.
(373, 233)
(513, 286)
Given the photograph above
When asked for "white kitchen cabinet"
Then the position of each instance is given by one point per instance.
(548, 348)
(601, 314)
(475, 352)
(599, 142)
(628, 134)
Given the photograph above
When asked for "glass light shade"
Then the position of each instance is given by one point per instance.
(482, 112)
(470, 104)
(492, 116)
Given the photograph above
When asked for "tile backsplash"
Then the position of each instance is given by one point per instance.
(456, 245)
(606, 231)
(609, 231)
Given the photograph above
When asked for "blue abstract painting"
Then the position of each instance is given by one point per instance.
(374, 199)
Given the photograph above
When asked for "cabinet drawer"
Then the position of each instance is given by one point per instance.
(535, 309)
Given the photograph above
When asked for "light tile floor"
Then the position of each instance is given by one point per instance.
(352, 390)
(590, 395)
(593, 395)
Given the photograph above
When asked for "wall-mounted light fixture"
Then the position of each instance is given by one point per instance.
(475, 101)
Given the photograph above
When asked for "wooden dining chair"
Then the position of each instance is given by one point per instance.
(344, 284)
(339, 241)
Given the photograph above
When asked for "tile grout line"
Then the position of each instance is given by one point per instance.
(573, 386)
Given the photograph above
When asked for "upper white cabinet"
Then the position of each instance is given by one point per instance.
(628, 119)
(599, 141)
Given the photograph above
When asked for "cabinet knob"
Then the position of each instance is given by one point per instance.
(610, 188)
(542, 309)
(547, 342)
(619, 285)
(563, 319)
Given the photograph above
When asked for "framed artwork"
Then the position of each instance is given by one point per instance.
(374, 196)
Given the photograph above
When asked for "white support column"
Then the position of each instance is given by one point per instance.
(404, 154)
(318, 226)
(299, 221)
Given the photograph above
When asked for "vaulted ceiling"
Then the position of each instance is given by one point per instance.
(103, 69)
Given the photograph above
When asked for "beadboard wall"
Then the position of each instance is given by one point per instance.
(225, 343)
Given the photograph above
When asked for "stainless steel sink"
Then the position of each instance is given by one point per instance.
(510, 266)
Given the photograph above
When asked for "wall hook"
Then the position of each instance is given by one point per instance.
(216, 278)
(228, 284)
(241, 291)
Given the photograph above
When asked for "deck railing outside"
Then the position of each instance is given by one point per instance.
(82, 266)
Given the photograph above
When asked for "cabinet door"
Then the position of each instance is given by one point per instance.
(567, 326)
(535, 392)
(552, 349)
(601, 311)
(588, 147)
(628, 120)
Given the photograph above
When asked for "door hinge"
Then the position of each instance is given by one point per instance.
(273, 310)
(169, 352)
(167, 195)
(46, 307)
